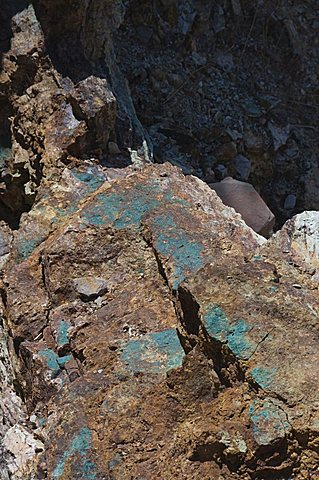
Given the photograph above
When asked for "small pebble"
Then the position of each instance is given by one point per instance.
(290, 202)
(113, 148)
(89, 288)
(296, 285)
(243, 167)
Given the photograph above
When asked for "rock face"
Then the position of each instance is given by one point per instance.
(147, 332)
(157, 343)
(298, 242)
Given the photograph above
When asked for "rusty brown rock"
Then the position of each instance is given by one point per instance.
(147, 332)
(180, 360)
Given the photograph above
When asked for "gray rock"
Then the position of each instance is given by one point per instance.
(225, 61)
(251, 108)
(221, 171)
(236, 7)
(185, 21)
(253, 141)
(299, 237)
(245, 200)
(290, 202)
(113, 148)
(5, 243)
(144, 33)
(279, 135)
(93, 101)
(243, 167)
(5, 156)
(198, 59)
(219, 22)
(226, 152)
(89, 288)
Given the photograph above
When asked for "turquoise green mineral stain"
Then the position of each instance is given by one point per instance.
(133, 215)
(263, 376)
(155, 352)
(123, 210)
(185, 253)
(62, 332)
(25, 247)
(176, 244)
(234, 333)
(53, 361)
(63, 212)
(92, 178)
(127, 209)
(216, 322)
(79, 449)
(238, 341)
(63, 360)
(269, 421)
(273, 289)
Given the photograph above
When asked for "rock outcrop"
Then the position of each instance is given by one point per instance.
(163, 338)
(147, 332)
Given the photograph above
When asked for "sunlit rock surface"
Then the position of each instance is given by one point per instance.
(146, 331)
(193, 354)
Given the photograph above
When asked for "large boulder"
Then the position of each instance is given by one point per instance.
(197, 358)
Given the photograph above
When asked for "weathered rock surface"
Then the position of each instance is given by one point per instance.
(147, 332)
(19, 447)
(298, 243)
(187, 365)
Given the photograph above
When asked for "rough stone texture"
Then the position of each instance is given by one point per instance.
(89, 288)
(94, 102)
(236, 76)
(243, 167)
(19, 447)
(188, 365)
(56, 118)
(298, 242)
(146, 331)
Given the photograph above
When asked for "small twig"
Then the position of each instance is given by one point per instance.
(248, 36)
(305, 126)
(303, 104)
